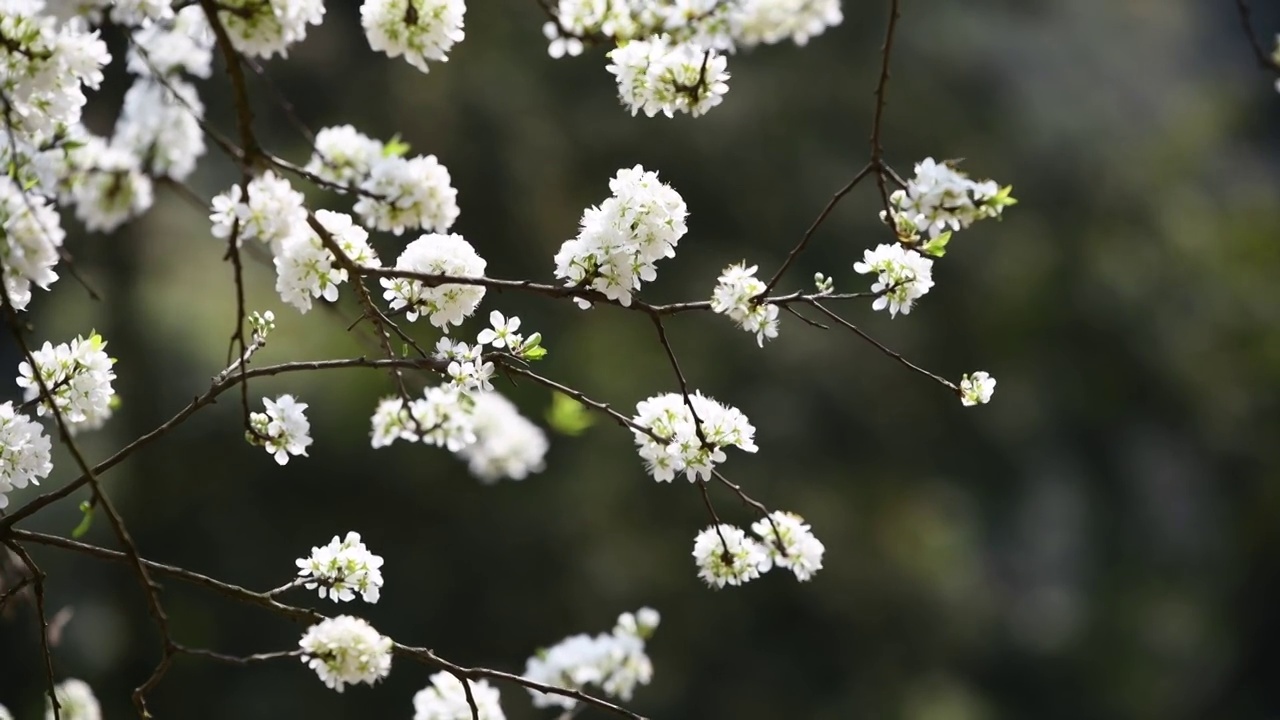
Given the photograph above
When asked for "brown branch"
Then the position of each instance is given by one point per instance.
(1265, 60)
(37, 577)
(264, 601)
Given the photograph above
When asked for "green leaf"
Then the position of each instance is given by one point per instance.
(395, 147)
(86, 509)
(568, 416)
(534, 353)
(937, 247)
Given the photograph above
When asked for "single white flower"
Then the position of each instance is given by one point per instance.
(976, 389)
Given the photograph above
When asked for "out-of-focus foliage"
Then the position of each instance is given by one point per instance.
(1101, 541)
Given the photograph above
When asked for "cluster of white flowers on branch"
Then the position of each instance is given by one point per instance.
(669, 55)
(621, 240)
(727, 555)
(615, 662)
(342, 569)
(687, 434)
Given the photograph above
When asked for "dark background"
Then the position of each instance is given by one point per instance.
(1099, 542)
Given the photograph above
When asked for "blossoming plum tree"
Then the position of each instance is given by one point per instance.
(666, 56)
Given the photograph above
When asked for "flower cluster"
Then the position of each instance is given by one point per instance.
(306, 269)
(24, 452)
(977, 389)
(76, 701)
(420, 30)
(727, 555)
(264, 28)
(46, 66)
(396, 193)
(283, 429)
(615, 662)
(344, 155)
(669, 54)
(345, 651)
(343, 568)
(29, 244)
(658, 76)
(940, 199)
(405, 194)
(77, 376)
(183, 43)
(620, 241)
(507, 444)
(902, 276)
(160, 122)
(272, 212)
(446, 699)
(481, 426)
(467, 369)
(107, 183)
(441, 417)
(734, 296)
(268, 210)
(443, 304)
(683, 445)
(790, 543)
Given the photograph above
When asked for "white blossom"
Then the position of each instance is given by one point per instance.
(342, 569)
(30, 235)
(264, 28)
(306, 269)
(726, 555)
(420, 30)
(658, 76)
(976, 389)
(343, 155)
(112, 187)
(620, 241)
(733, 295)
(5, 714)
(273, 211)
(446, 699)
(24, 452)
(441, 417)
(44, 66)
(446, 304)
(503, 333)
(679, 448)
(444, 418)
(902, 276)
(790, 543)
(183, 44)
(507, 444)
(771, 21)
(615, 662)
(75, 701)
(408, 194)
(391, 421)
(160, 123)
(941, 198)
(283, 429)
(559, 44)
(78, 375)
(345, 651)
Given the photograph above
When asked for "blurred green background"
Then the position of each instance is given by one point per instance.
(1099, 542)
